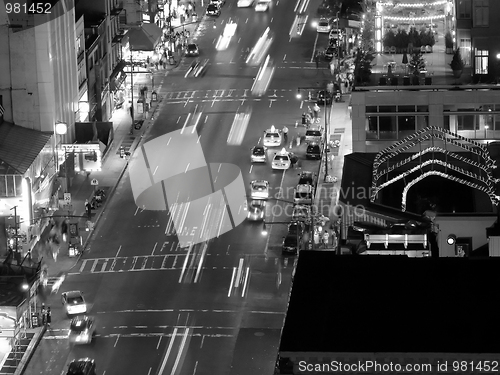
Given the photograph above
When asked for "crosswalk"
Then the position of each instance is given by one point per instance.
(226, 95)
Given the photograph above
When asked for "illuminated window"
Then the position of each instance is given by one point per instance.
(481, 61)
(465, 49)
(481, 13)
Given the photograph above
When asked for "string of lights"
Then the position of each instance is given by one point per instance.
(412, 5)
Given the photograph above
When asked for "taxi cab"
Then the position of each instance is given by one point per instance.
(272, 137)
(281, 160)
(82, 330)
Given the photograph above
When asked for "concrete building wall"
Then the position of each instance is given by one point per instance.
(39, 76)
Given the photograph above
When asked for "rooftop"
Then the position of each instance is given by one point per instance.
(392, 304)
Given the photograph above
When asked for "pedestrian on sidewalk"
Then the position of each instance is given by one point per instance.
(316, 111)
(88, 208)
(49, 316)
(325, 238)
(44, 314)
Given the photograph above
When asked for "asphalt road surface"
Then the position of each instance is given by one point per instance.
(216, 307)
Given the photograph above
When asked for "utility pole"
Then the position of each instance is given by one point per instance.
(132, 92)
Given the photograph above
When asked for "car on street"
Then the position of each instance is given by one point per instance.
(262, 6)
(192, 50)
(281, 160)
(74, 303)
(200, 68)
(82, 330)
(306, 177)
(259, 189)
(256, 210)
(314, 151)
(213, 10)
(82, 366)
(323, 96)
(314, 134)
(301, 213)
(272, 137)
(303, 194)
(258, 154)
(296, 227)
(291, 243)
(219, 3)
(330, 53)
(323, 26)
(245, 3)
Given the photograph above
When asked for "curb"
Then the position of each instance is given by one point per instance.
(30, 350)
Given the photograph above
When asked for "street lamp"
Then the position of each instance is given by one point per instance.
(62, 129)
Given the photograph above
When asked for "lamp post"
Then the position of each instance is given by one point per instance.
(132, 87)
(325, 101)
(61, 129)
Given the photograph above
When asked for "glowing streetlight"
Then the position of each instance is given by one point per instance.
(61, 128)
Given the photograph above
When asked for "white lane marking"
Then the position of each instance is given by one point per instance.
(200, 263)
(157, 346)
(239, 274)
(116, 342)
(136, 210)
(232, 282)
(186, 122)
(167, 354)
(196, 364)
(181, 349)
(154, 248)
(250, 169)
(155, 170)
(246, 282)
(185, 263)
(83, 266)
(187, 167)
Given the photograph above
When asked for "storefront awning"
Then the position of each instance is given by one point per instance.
(19, 147)
(144, 38)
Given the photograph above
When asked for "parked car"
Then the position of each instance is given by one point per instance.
(322, 96)
(314, 134)
(301, 213)
(262, 6)
(291, 244)
(303, 194)
(219, 3)
(330, 53)
(306, 177)
(245, 3)
(314, 151)
(213, 10)
(296, 226)
(281, 160)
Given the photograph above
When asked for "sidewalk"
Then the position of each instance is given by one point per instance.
(57, 261)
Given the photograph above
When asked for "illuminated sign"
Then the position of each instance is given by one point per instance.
(87, 156)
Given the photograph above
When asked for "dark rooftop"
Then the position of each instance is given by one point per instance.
(392, 304)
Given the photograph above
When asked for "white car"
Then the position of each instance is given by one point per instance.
(323, 26)
(82, 330)
(245, 3)
(74, 303)
(272, 137)
(262, 6)
(281, 160)
(301, 213)
(259, 189)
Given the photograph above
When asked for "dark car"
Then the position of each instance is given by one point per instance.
(330, 53)
(314, 151)
(322, 96)
(296, 227)
(306, 177)
(192, 50)
(213, 10)
(291, 243)
(82, 366)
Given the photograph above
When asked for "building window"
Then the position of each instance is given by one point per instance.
(464, 9)
(481, 61)
(372, 127)
(467, 122)
(481, 13)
